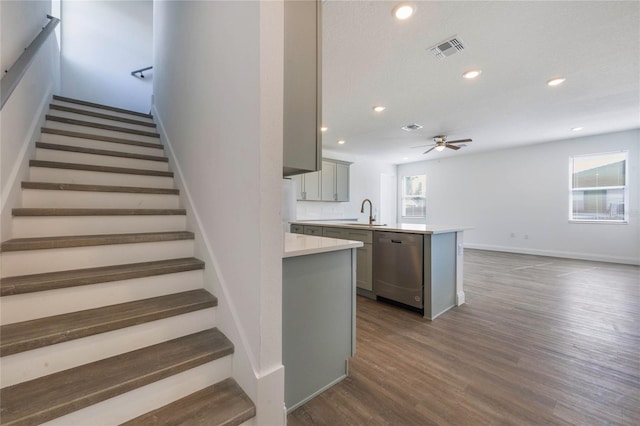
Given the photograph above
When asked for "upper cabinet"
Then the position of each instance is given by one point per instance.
(308, 186)
(302, 87)
(329, 184)
(335, 180)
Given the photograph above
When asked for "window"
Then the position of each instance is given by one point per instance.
(414, 191)
(599, 190)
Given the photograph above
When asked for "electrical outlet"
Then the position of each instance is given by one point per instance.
(526, 236)
(513, 235)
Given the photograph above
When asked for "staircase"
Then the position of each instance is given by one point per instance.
(104, 316)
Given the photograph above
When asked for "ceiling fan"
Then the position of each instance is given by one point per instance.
(440, 143)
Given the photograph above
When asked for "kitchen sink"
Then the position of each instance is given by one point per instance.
(365, 224)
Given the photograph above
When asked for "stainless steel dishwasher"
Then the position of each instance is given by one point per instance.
(397, 267)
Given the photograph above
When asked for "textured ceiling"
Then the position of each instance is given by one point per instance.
(369, 58)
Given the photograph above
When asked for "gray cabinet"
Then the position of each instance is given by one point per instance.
(297, 229)
(308, 186)
(335, 180)
(313, 230)
(342, 182)
(364, 254)
(329, 184)
(302, 140)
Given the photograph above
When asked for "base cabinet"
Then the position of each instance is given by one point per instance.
(364, 255)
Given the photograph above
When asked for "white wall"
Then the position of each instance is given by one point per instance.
(23, 114)
(102, 42)
(364, 182)
(218, 100)
(524, 191)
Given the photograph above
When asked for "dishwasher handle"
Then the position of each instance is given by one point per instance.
(396, 241)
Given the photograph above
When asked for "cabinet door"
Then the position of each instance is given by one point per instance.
(312, 186)
(342, 182)
(329, 181)
(335, 233)
(364, 267)
(298, 180)
(302, 145)
(313, 230)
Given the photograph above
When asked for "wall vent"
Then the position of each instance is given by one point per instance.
(447, 48)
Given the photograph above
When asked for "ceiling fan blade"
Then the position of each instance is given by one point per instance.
(460, 141)
(422, 146)
(452, 146)
(429, 150)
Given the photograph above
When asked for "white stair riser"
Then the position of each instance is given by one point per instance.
(90, 143)
(99, 160)
(86, 177)
(28, 306)
(59, 226)
(40, 362)
(89, 199)
(24, 262)
(147, 398)
(102, 111)
(102, 132)
(109, 122)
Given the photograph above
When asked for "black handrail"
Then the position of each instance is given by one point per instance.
(140, 71)
(13, 75)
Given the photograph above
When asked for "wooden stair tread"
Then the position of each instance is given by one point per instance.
(82, 150)
(99, 115)
(223, 404)
(94, 105)
(97, 188)
(28, 211)
(46, 398)
(41, 243)
(75, 122)
(61, 279)
(92, 168)
(99, 138)
(37, 333)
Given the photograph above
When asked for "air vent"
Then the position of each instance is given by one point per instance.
(412, 127)
(447, 48)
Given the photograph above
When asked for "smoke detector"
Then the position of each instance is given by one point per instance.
(412, 127)
(447, 48)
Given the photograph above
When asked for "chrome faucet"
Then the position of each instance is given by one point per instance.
(371, 218)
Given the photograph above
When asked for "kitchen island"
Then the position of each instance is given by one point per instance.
(418, 265)
(318, 314)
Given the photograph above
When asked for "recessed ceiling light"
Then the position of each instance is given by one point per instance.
(405, 158)
(379, 108)
(556, 81)
(577, 129)
(471, 74)
(341, 142)
(412, 127)
(324, 129)
(403, 11)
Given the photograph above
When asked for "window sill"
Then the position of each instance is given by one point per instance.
(601, 222)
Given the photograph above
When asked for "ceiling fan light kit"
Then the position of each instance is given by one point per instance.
(440, 143)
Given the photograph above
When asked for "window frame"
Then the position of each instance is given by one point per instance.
(625, 190)
(403, 196)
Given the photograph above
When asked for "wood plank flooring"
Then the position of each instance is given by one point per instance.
(540, 341)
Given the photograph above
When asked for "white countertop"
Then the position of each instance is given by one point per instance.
(301, 245)
(410, 228)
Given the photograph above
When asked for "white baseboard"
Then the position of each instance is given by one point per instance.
(10, 191)
(230, 324)
(556, 253)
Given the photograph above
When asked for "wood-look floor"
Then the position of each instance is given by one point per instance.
(540, 341)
